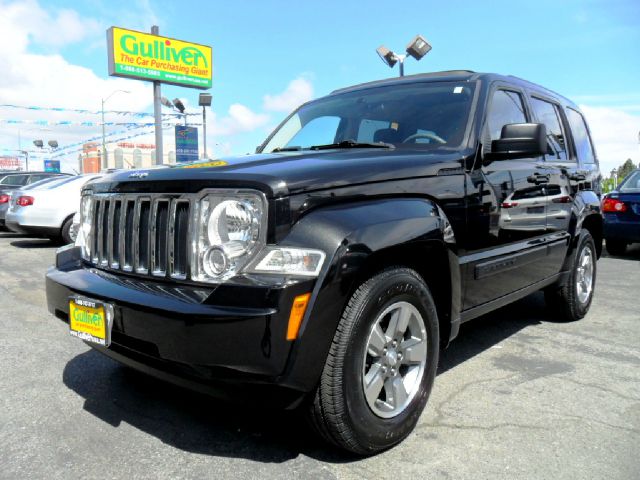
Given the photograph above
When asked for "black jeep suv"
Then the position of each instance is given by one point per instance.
(326, 271)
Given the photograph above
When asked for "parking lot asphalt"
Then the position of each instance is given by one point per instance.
(518, 395)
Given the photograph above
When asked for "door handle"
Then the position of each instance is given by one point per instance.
(577, 177)
(538, 178)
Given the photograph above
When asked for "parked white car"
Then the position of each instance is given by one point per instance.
(47, 210)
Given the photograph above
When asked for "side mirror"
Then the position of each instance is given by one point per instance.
(519, 140)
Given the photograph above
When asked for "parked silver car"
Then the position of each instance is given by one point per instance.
(6, 194)
(47, 209)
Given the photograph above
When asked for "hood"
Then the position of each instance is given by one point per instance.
(286, 173)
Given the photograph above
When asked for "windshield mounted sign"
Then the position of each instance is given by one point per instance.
(144, 56)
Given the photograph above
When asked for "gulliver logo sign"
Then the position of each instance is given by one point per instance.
(151, 57)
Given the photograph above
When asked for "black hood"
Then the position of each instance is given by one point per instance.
(287, 173)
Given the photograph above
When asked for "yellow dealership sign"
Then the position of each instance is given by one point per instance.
(145, 56)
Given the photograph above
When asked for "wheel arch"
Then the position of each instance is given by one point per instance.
(361, 239)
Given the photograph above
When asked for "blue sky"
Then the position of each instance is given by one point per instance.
(269, 55)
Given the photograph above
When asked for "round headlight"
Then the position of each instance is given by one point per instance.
(232, 221)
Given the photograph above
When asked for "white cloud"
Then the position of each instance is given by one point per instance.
(297, 92)
(26, 21)
(615, 134)
(49, 80)
(240, 118)
(34, 73)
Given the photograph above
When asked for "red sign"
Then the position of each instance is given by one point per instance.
(10, 162)
(150, 146)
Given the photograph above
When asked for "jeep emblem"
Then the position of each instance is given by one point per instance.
(138, 175)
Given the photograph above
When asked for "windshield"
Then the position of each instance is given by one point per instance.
(631, 184)
(424, 115)
(44, 181)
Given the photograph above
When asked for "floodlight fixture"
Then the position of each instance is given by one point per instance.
(166, 102)
(38, 143)
(53, 143)
(204, 100)
(179, 105)
(387, 56)
(418, 47)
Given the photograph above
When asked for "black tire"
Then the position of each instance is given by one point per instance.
(616, 247)
(65, 235)
(339, 410)
(565, 301)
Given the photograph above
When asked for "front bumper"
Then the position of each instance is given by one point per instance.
(221, 339)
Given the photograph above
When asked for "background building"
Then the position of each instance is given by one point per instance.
(121, 155)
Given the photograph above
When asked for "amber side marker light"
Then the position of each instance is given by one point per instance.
(298, 308)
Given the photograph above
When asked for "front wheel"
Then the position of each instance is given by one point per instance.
(572, 301)
(67, 234)
(381, 365)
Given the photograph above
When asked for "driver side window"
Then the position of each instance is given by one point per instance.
(506, 108)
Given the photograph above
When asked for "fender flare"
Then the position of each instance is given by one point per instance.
(350, 234)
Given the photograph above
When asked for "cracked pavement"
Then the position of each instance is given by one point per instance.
(518, 395)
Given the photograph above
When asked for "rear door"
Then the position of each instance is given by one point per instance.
(558, 167)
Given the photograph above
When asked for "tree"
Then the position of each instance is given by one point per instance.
(626, 168)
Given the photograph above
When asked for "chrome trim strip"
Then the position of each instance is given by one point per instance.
(156, 269)
(101, 256)
(171, 240)
(171, 237)
(124, 203)
(111, 257)
(136, 237)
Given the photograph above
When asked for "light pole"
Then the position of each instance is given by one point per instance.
(418, 47)
(104, 147)
(53, 144)
(26, 159)
(204, 100)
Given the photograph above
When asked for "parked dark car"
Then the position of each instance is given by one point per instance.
(326, 271)
(13, 180)
(621, 210)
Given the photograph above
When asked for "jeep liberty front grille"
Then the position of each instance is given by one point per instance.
(143, 234)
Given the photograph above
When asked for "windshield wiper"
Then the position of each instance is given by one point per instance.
(351, 144)
(286, 149)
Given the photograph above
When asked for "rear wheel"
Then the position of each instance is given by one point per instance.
(572, 301)
(381, 365)
(616, 247)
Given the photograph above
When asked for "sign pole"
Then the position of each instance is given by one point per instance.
(157, 112)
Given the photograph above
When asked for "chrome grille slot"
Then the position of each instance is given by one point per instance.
(104, 233)
(141, 235)
(159, 234)
(95, 236)
(144, 234)
(115, 214)
(179, 239)
(126, 249)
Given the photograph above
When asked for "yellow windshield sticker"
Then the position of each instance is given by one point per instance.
(217, 163)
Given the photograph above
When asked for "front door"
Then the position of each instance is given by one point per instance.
(511, 251)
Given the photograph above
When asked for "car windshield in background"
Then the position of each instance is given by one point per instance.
(631, 183)
(424, 115)
(44, 181)
(68, 180)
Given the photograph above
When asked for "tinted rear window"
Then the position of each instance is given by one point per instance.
(14, 180)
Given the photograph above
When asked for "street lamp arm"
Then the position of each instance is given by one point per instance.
(104, 100)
